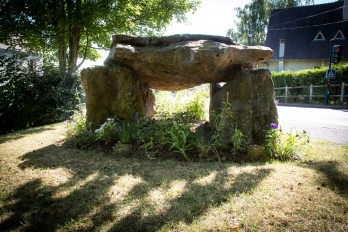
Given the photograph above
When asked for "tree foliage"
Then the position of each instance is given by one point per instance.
(253, 19)
(70, 28)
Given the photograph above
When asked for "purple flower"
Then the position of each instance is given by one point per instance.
(136, 116)
(274, 125)
(276, 102)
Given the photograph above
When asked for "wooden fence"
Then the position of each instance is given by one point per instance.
(296, 93)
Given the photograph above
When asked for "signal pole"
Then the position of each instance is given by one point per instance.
(335, 57)
(327, 92)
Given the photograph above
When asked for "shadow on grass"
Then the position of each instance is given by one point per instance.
(94, 196)
(336, 180)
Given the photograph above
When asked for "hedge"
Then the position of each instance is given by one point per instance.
(37, 97)
(310, 76)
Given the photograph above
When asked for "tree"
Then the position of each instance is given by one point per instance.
(70, 28)
(253, 19)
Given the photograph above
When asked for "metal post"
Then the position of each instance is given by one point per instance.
(342, 92)
(330, 47)
(327, 92)
(310, 92)
(286, 93)
(327, 95)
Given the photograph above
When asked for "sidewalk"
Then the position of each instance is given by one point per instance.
(322, 106)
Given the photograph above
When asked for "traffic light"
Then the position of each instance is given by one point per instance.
(328, 84)
(336, 53)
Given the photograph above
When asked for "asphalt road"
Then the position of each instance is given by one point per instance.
(322, 124)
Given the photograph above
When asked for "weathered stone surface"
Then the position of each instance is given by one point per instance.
(114, 92)
(251, 98)
(183, 61)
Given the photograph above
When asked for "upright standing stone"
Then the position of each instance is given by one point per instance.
(250, 97)
(114, 92)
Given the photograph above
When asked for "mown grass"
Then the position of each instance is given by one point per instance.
(45, 186)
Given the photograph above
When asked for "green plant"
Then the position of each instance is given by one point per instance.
(153, 134)
(284, 147)
(76, 124)
(108, 130)
(203, 136)
(183, 106)
(219, 120)
(272, 140)
(195, 108)
(237, 140)
(257, 153)
(77, 133)
(180, 140)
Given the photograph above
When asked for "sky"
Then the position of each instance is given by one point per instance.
(213, 17)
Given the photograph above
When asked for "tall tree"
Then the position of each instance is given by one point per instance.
(253, 19)
(70, 28)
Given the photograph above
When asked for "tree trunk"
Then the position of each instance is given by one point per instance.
(74, 46)
(62, 59)
(59, 20)
(74, 15)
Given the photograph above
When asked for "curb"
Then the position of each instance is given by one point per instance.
(320, 106)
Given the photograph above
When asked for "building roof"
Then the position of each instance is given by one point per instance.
(307, 30)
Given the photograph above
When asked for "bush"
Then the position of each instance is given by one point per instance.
(285, 147)
(306, 78)
(185, 105)
(310, 76)
(34, 97)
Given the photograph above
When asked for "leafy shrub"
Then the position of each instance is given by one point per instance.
(108, 131)
(284, 147)
(76, 131)
(76, 124)
(185, 105)
(34, 97)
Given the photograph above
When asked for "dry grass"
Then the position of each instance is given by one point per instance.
(47, 187)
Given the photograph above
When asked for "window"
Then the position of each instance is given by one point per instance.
(339, 35)
(281, 47)
(319, 36)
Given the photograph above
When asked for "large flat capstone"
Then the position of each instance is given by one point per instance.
(183, 61)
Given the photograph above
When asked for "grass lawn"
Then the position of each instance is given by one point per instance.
(45, 186)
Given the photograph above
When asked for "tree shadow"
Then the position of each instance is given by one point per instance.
(193, 203)
(336, 179)
(38, 206)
